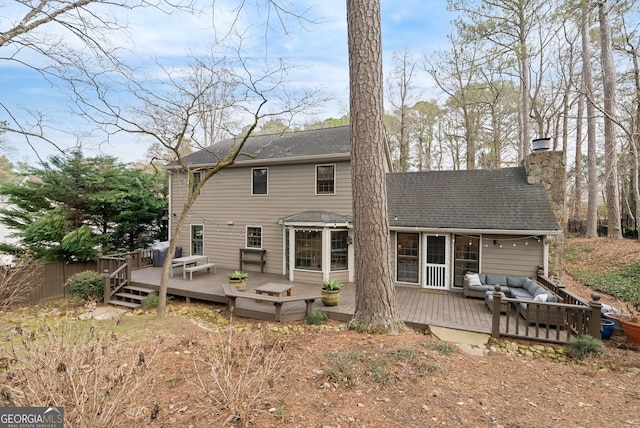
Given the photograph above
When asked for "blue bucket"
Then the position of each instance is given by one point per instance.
(606, 328)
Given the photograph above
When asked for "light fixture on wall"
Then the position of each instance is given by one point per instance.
(349, 240)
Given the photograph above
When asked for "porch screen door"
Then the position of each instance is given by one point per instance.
(435, 272)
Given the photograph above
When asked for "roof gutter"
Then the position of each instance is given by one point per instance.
(273, 161)
(477, 231)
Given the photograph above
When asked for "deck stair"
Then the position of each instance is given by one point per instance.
(131, 296)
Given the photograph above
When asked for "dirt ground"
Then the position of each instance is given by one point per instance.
(270, 375)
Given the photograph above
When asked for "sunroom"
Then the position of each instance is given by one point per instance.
(317, 246)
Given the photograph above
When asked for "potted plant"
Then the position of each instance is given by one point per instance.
(238, 279)
(631, 323)
(331, 292)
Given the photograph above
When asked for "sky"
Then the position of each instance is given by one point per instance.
(319, 50)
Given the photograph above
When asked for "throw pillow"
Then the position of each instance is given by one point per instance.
(541, 297)
(473, 279)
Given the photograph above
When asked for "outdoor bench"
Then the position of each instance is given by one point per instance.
(194, 268)
(232, 294)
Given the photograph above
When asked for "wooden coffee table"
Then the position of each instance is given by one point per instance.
(274, 289)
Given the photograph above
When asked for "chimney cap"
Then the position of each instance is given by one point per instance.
(540, 144)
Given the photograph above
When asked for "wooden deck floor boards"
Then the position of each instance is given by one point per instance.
(416, 307)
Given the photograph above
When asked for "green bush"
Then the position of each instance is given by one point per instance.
(151, 301)
(583, 347)
(86, 285)
(316, 317)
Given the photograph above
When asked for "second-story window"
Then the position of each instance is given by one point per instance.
(325, 179)
(259, 181)
(197, 177)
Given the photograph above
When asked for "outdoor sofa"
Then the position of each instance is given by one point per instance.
(483, 285)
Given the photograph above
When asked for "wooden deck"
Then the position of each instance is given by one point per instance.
(416, 307)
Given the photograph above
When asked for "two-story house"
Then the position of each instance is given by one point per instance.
(291, 203)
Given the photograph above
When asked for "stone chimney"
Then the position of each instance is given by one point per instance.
(547, 167)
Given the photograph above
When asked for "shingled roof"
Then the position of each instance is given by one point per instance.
(313, 143)
(498, 199)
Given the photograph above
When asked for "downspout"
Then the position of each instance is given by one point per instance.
(545, 255)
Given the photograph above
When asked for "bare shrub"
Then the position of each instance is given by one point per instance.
(18, 282)
(239, 371)
(98, 381)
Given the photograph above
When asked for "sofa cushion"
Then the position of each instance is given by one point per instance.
(521, 293)
(531, 286)
(481, 287)
(474, 279)
(542, 297)
(516, 281)
(496, 279)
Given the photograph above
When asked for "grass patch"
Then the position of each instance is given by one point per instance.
(444, 348)
(354, 367)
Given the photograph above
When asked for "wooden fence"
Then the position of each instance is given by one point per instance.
(48, 279)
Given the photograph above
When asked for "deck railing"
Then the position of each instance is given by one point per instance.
(139, 260)
(557, 322)
(116, 269)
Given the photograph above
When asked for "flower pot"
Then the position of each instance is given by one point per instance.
(330, 297)
(606, 328)
(240, 284)
(631, 331)
(614, 317)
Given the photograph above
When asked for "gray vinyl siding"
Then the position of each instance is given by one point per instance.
(519, 260)
(226, 198)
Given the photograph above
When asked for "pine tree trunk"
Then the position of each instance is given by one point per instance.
(611, 152)
(375, 296)
(592, 154)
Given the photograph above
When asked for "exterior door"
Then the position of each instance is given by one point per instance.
(467, 257)
(435, 271)
(197, 240)
(407, 257)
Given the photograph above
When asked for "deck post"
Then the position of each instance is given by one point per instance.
(106, 286)
(278, 306)
(309, 303)
(594, 318)
(129, 261)
(495, 316)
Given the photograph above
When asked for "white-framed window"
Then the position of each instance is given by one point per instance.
(308, 249)
(407, 257)
(339, 250)
(259, 181)
(254, 237)
(197, 177)
(197, 239)
(325, 179)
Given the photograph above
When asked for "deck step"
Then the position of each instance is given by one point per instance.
(137, 297)
(130, 305)
(139, 290)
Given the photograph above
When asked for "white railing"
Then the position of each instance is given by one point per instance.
(436, 276)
